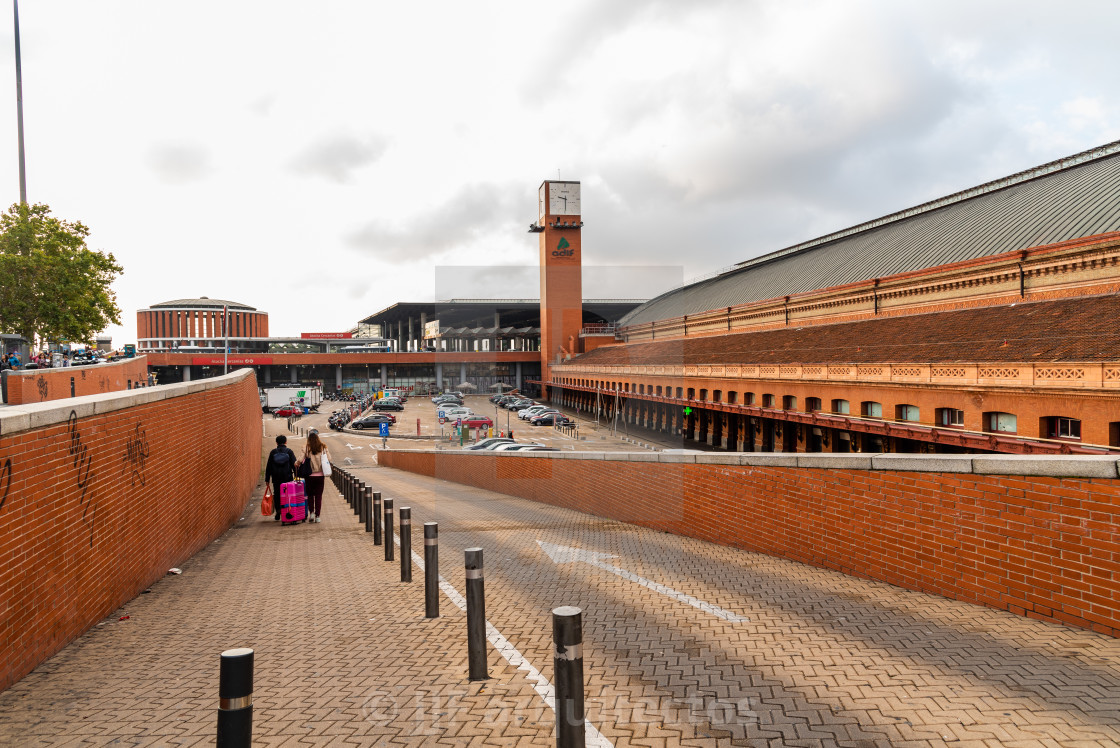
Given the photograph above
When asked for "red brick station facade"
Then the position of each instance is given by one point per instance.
(980, 322)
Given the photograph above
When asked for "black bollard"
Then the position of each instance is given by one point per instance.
(359, 486)
(431, 570)
(362, 502)
(476, 616)
(377, 518)
(367, 501)
(406, 543)
(235, 699)
(388, 529)
(567, 662)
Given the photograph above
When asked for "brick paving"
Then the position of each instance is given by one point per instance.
(345, 657)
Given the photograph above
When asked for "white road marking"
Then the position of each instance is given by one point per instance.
(348, 444)
(563, 554)
(509, 653)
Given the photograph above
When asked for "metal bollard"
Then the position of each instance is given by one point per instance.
(377, 518)
(567, 662)
(431, 570)
(362, 489)
(388, 529)
(235, 699)
(350, 490)
(476, 616)
(367, 501)
(406, 543)
(359, 486)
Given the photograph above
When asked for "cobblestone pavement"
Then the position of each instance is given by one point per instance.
(345, 656)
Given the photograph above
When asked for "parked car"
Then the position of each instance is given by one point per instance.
(452, 414)
(387, 404)
(552, 419)
(372, 421)
(516, 447)
(288, 410)
(519, 404)
(490, 443)
(475, 421)
(533, 410)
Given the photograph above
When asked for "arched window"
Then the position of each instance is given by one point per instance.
(843, 407)
(907, 413)
(871, 409)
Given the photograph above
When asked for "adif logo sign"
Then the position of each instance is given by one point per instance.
(563, 249)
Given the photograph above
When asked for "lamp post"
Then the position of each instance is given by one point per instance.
(19, 108)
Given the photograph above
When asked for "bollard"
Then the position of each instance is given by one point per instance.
(567, 662)
(367, 500)
(431, 570)
(406, 543)
(388, 529)
(476, 616)
(235, 699)
(350, 490)
(377, 518)
(363, 490)
(359, 486)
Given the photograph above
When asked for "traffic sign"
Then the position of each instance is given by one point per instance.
(441, 414)
(383, 429)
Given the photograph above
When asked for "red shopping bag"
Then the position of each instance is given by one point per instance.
(266, 502)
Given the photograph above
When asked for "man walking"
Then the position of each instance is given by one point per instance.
(280, 468)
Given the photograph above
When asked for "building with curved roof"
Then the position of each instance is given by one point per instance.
(1066, 199)
(199, 323)
(982, 321)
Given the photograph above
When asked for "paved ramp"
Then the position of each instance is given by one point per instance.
(686, 643)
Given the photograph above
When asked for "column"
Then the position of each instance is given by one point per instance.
(463, 372)
(338, 376)
(295, 373)
(411, 335)
(268, 375)
(517, 382)
(384, 375)
(186, 373)
(439, 376)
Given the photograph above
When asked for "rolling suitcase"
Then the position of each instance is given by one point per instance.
(293, 503)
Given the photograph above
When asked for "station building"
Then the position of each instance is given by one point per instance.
(424, 346)
(984, 321)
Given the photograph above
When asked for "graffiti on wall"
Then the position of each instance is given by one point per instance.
(136, 454)
(83, 465)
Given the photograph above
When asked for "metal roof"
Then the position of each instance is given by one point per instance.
(203, 302)
(1067, 199)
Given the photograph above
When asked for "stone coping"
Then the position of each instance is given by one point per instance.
(1062, 466)
(51, 369)
(17, 418)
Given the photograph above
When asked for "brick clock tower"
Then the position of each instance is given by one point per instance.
(558, 223)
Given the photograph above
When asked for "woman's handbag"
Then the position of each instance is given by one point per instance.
(304, 469)
(326, 466)
(266, 502)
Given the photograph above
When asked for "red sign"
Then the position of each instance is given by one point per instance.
(237, 360)
(326, 335)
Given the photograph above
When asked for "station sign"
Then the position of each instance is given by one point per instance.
(326, 335)
(238, 360)
(431, 329)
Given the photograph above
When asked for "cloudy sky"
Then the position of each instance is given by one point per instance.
(321, 161)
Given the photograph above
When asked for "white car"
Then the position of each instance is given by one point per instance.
(452, 414)
(516, 447)
(531, 411)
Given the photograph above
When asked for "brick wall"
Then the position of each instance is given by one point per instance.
(1037, 536)
(101, 495)
(40, 385)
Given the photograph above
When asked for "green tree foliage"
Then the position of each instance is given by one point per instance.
(52, 286)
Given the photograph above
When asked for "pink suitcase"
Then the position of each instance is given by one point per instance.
(293, 503)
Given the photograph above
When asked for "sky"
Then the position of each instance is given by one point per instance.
(322, 161)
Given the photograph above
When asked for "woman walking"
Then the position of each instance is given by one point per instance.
(315, 452)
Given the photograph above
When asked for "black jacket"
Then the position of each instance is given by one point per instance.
(280, 473)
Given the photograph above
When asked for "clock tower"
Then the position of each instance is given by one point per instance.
(559, 224)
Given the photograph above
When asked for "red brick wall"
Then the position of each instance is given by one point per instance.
(40, 385)
(98, 505)
(1042, 547)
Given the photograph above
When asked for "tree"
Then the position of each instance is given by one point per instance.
(52, 286)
